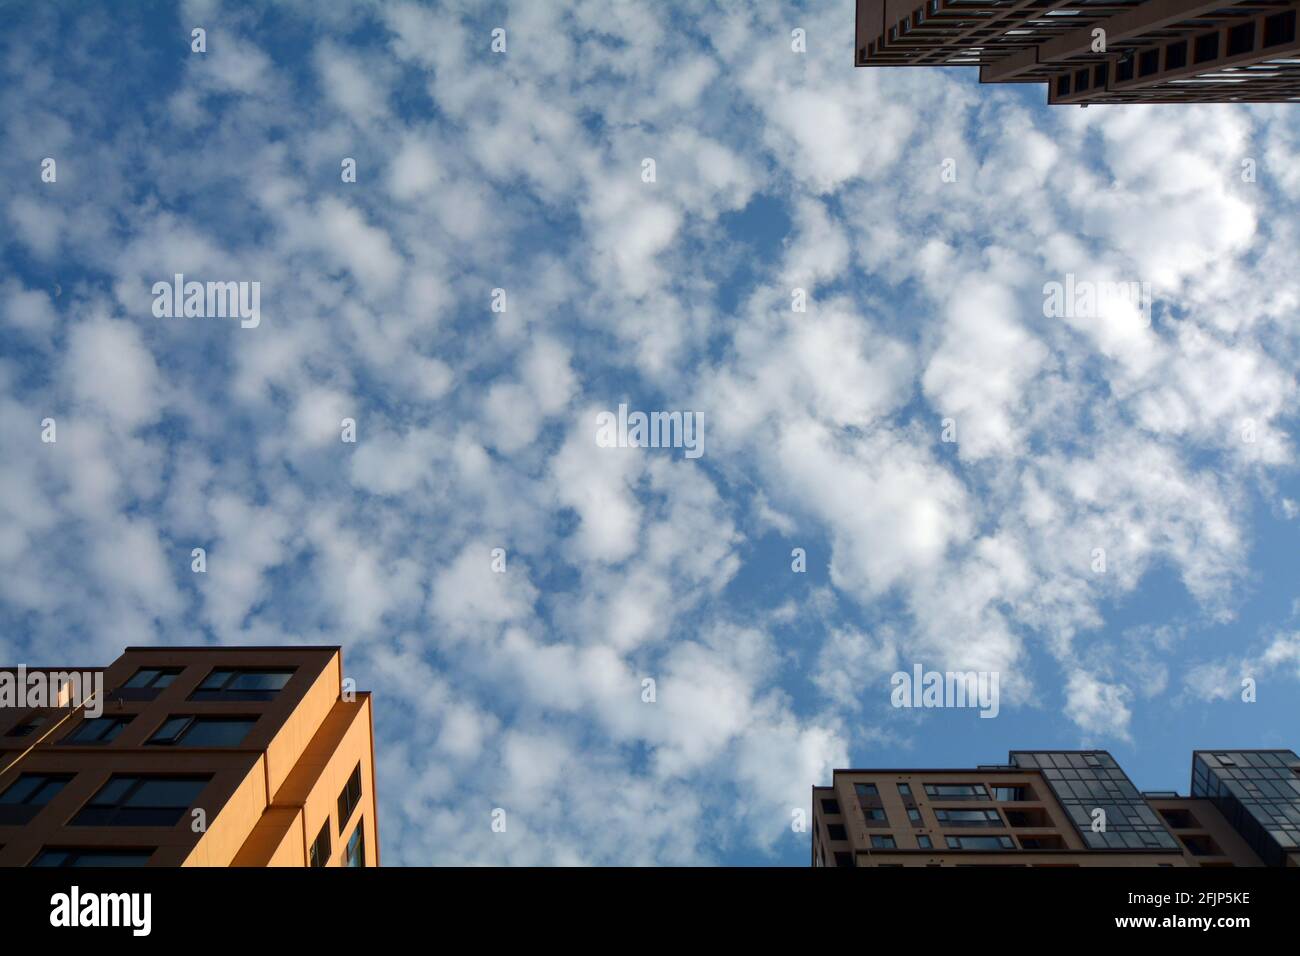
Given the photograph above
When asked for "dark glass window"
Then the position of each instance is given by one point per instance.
(956, 791)
(24, 798)
(969, 818)
(1279, 28)
(1241, 38)
(1176, 55)
(28, 726)
(880, 841)
(96, 730)
(152, 678)
(203, 731)
(980, 843)
(1148, 62)
(1063, 84)
(1124, 69)
(320, 849)
(1016, 794)
(138, 801)
(61, 856)
(905, 789)
(242, 684)
(836, 831)
(914, 815)
(844, 859)
(350, 797)
(357, 845)
(830, 806)
(1080, 80)
(1207, 47)
(924, 843)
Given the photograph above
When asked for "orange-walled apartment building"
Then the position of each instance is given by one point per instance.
(188, 756)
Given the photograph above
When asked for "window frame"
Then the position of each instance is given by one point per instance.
(347, 807)
(227, 692)
(112, 814)
(179, 738)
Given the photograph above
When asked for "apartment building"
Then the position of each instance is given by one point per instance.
(190, 756)
(1097, 51)
(1062, 808)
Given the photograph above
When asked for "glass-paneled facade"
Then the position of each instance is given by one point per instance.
(1087, 780)
(1258, 791)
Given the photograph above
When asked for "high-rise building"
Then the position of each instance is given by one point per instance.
(1097, 51)
(1062, 808)
(193, 756)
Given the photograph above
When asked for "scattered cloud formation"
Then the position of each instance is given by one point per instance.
(975, 484)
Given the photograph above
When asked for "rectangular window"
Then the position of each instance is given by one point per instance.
(969, 818)
(96, 730)
(1063, 84)
(320, 850)
(830, 806)
(1081, 80)
(139, 801)
(1123, 73)
(844, 859)
(1148, 62)
(1279, 28)
(924, 843)
(25, 797)
(147, 683)
(836, 832)
(1176, 55)
(1241, 38)
(980, 843)
(866, 791)
(1207, 47)
(956, 791)
(914, 815)
(357, 845)
(881, 842)
(202, 731)
(101, 856)
(29, 725)
(905, 789)
(349, 798)
(245, 684)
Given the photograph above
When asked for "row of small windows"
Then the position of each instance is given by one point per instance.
(881, 841)
(869, 795)
(1278, 29)
(224, 683)
(101, 856)
(126, 800)
(190, 730)
(131, 800)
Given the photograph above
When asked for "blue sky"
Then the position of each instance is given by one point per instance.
(1167, 444)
